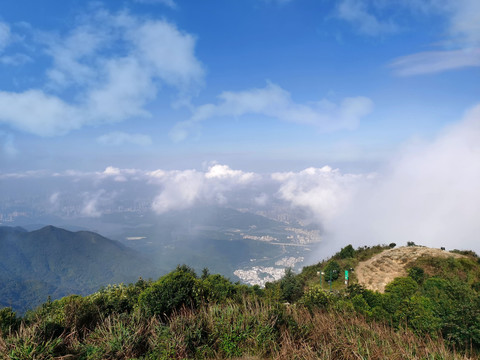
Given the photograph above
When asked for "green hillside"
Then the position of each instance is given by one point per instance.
(55, 262)
(433, 313)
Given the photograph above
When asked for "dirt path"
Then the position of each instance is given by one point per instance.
(381, 269)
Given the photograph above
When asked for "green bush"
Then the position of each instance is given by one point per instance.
(216, 288)
(417, 274)
(169, 293)
(418, 313)
(347, 252)
(8, 321)
(291, 286)
(332, 270)
(315, 297)
(401, 288)
(360, 305)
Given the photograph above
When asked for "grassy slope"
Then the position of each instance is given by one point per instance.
(225, 320)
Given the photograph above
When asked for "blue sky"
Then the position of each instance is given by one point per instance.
(261, 85)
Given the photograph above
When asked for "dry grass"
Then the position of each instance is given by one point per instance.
(382, 268)
(251, 331)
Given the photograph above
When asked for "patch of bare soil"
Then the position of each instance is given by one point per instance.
(382, 268)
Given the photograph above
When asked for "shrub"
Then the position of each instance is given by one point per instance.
(347, 252)
(402, 287)
(417, 312)
(8, 321)
(360, 305)
(216, 288)
(332, 270)
(315, 297)
(291, 286)
(417, 274)
(169, 293)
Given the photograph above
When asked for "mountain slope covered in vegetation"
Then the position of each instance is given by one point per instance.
(432, 313)
(55, 262)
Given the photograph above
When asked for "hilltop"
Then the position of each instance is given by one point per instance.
(376, 272)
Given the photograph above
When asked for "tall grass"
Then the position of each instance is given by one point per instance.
(250, 329)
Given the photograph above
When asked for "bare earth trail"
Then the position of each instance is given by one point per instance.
(382, 268)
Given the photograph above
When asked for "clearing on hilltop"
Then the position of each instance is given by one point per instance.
(376, 272)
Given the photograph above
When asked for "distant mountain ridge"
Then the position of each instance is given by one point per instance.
(55, 262)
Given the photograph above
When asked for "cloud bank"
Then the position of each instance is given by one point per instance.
(428, 193)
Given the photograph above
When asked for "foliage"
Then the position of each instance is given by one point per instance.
(427, 315)
(417, 274)
(8, 321)
(316, 297)
(291, 286)
(332, 270)
(169, 293)
(56, 262)
(347, 252)
(216, 288)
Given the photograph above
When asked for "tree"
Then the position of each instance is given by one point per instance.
(291, 286)
(347, 252)
(169, 293)
(332, 270)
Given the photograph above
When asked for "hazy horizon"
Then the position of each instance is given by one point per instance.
(362, 115)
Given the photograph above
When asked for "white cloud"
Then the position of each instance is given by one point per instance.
(429, 194)
(218, 171)
(183, 189)
(180, 191)
(169, 3)
(120, 138)
(120, 175)
(15, 59)
(39, 113)
(324, 192)
(53, 199)
(275, 102)
(459, 48)
(168, 52)
(91, 204)
(465, 22)
(355, 12)
(462, 42)
(5, 35)
(114, 64)
(435, 61)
